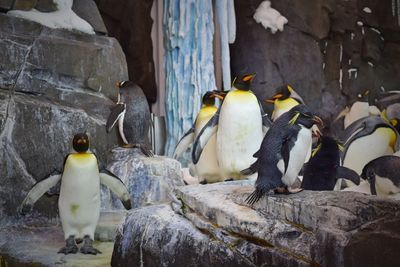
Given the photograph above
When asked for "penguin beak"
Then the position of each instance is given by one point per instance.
(217, 96)
(319, 124)
(272, 99)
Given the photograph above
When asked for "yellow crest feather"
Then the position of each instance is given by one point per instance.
(294, 119)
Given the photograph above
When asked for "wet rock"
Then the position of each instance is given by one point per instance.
(24, 4)
(304, 229)
(87, 10)
(46, 6)
(6, 5)
(150, 180)
(372, 46)
(344, 17)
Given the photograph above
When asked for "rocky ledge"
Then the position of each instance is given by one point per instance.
(212, 226)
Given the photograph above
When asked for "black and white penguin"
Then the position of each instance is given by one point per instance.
(133, 115)
(383, 175)
(240, 124)
(206, 168)
(283, 152)
(323, 169)
(285, 99)
(79, 200)
(367, 139)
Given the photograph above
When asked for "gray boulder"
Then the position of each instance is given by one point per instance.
(53, 84)
(150, 180)
(304, 229)
(87, 10)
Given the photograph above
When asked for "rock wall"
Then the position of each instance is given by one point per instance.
(330, 50)
(53, 84)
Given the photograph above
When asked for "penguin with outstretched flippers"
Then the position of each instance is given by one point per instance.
(283, 152)
(133, 116)
(323, 169)
(79, 200)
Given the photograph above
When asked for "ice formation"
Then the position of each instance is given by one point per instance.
(188, 40)
(63, 18)
(269, 17)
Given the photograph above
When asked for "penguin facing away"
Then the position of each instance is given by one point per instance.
(284, 99)
(207, 168)
(283, 152)
(383, 175)
(79, 200)
(323, 169)
(240, 124)
(133, 116)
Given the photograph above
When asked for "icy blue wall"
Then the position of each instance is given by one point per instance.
(189, 68)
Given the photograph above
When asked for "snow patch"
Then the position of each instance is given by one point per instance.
(359, 23)
(352, 71)
(63, 18)
(370, 63)
(367, 10)
(269, 17)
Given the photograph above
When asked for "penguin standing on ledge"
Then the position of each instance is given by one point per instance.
(283, 152)
(207, 168)
(240, 124)
(323, 169)
(383, 175)
(79, 201)
(133, 115)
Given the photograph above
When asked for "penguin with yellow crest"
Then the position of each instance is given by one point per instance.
(79, 200)
(240, 124)
(367, 139)
(207, 169)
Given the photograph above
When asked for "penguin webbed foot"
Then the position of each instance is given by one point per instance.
(70, 247)
(145, 151)
(283, 190)
(87, 247)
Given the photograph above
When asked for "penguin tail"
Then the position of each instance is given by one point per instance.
(254, 197)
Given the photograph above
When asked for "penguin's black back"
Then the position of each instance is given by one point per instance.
(137, 114)
(320, 172)
(386, 167)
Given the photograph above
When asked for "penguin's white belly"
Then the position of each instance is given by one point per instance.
(207, 167)
(79, 202)
(365, 149)
(239, 136)
(385, 186)
(297, 156)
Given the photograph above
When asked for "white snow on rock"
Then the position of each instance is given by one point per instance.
(63, 18)
(367, 10)
(269, 17)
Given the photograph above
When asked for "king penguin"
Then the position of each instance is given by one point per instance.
(207, 169)
(283, 152)
(323, 169)
(240, 124)
(284, 99)
(383, 175)
(366, 139)
(133, 115)
(79, 200)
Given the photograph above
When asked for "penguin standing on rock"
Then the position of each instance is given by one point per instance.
(240, 124)
(383, 175)
(323, 169)
(133, 115)
(79, 201)
(283, 152)
(207, 168)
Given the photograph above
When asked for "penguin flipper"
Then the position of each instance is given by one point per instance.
(250, 170)
(349, 174)
(184, 143)
(117, 187)
(205, 134)
(37, 191)
(287, 145)
(116, 112)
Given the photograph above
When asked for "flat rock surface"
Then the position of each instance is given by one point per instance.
(36, 243)
(304, 229)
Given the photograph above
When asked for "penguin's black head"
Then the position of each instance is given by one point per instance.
(209, 98)
(284, 92)
(302, 115)
(80, 143)
(243, 82)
